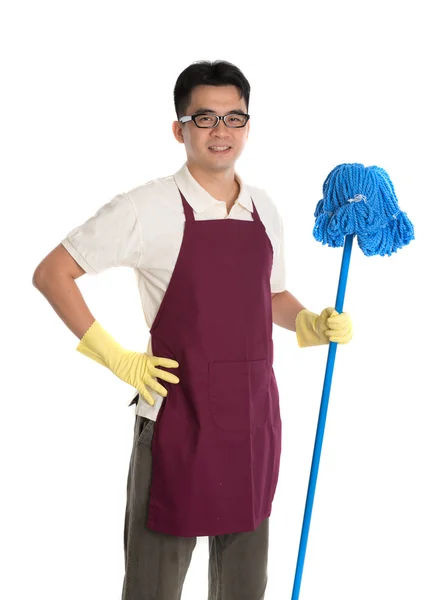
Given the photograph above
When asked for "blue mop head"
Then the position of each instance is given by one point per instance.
(361, 201)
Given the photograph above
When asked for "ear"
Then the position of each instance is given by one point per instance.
(177, 130)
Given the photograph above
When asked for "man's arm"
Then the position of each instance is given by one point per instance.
(285, 309)
(55, 278)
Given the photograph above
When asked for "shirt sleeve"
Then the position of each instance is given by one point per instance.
(110, 238)
(278, 274)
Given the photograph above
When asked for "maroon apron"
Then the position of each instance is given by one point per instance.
(217, 438)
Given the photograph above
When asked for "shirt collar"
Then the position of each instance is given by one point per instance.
(199, 199)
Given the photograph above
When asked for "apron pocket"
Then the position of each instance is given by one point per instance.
(239, 394)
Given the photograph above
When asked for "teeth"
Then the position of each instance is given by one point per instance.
(219, 147)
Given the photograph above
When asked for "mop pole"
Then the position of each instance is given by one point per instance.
(321, 422)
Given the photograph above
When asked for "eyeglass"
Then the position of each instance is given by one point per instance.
(205, 121)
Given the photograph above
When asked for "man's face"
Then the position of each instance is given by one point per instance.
(200, 143)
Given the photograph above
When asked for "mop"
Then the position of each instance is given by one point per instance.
(357, 201)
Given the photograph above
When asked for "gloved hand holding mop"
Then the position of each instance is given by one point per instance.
(329, 326)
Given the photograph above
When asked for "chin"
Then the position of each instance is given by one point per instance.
(227, 159)
(221, 165)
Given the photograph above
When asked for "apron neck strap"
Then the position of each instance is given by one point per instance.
(188, 210)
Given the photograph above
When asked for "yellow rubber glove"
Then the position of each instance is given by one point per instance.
(329, 326)
(136, 368)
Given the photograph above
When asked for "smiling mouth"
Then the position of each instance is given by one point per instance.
(219, 149)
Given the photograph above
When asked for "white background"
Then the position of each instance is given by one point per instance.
(87, 108)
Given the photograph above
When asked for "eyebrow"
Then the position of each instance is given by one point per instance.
(235, 111)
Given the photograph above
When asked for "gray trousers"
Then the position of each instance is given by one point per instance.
(157, 564)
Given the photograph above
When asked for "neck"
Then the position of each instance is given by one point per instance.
(222, 185)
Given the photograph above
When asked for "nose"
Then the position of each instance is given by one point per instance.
(221, 129)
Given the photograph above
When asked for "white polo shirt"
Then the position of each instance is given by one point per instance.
(143, 229)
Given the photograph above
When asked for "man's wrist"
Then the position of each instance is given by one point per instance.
(99, 341)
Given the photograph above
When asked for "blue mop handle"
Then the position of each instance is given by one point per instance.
(322, 420)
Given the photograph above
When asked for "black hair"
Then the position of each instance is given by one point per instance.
(205, 72)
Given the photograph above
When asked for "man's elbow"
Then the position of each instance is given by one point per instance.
(37, 277)
(58, 261)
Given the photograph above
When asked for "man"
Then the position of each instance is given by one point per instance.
(209, 257)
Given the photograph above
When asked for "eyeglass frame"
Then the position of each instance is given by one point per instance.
(187, 118)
